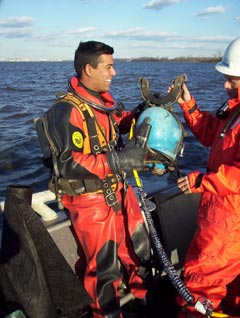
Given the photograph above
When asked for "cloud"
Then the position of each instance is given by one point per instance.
(238, 18)
(160, 4)
(136, 32)
(126, 33)
(16, 22)
(211, 10)
(15, 33)
(140, 34)
(83, 30)
(16, 27)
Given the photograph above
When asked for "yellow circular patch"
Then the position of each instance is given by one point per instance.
(77, 139)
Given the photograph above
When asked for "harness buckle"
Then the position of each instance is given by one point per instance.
(111, 199)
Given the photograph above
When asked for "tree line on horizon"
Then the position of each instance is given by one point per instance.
(214, 59)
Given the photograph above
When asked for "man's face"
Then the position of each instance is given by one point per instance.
(102, 75)
(232, 83)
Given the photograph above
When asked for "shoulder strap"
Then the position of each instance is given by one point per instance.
(229, 123)
(96, 140)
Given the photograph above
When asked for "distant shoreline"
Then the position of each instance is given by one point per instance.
(177, 59)
(138, 59)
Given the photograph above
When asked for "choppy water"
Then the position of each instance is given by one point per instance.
(28, 88)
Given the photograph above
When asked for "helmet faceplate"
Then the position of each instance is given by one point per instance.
(166, 133)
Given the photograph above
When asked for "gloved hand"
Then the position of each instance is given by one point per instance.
(140, 108)
(131, 157)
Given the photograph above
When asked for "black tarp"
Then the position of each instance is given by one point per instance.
(34, 275)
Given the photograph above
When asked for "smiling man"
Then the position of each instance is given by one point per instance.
(88, 176)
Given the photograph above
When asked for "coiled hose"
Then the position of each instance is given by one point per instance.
(165, 261)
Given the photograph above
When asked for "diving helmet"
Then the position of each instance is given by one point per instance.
(165, 139)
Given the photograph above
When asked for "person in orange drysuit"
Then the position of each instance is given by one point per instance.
(90, 171)
(212, 260)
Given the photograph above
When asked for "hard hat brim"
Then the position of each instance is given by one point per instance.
(222, 68)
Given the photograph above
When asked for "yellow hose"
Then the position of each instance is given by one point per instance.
(137, 179)
(135, 173)
(219, 315)
(132, 128)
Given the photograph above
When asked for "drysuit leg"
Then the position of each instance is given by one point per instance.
(104, 239)
(99, 230)
(135, 250)
(212, 260)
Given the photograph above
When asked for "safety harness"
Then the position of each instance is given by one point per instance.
(222, 113)
(229, 123)
(95, 142)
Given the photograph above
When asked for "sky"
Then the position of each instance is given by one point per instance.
(52, 29)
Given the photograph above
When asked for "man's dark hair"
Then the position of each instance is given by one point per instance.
(88, 53)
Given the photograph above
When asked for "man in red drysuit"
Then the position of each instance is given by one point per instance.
(90, 169)
(212, 261)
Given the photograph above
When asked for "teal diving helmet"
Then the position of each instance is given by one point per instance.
(165, 140)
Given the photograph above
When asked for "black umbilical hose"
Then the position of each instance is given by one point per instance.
(203, 306)
(167, 265)
(141, 141)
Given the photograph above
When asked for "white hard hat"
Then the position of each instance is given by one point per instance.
(230, 64)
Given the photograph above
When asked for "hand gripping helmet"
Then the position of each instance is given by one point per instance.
(165, 139)
(230, 64)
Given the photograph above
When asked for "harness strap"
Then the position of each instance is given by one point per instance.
(109, 194)
(75, 187)
(94, 131)
(229, 123)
